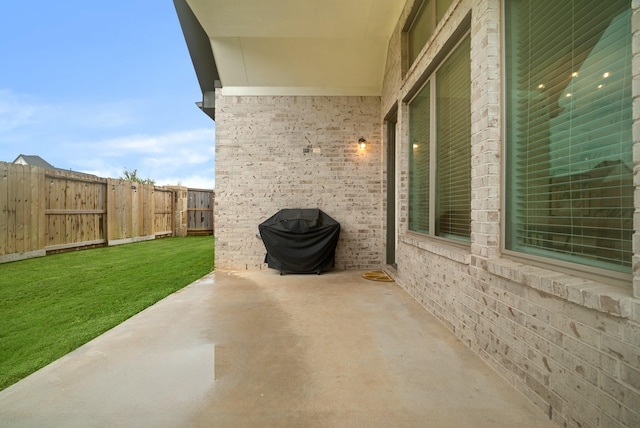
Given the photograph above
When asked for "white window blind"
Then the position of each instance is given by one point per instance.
(419, 160)
(440, 150)
(453, 130)
(569, 130)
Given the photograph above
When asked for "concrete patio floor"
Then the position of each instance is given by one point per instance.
(256, 349)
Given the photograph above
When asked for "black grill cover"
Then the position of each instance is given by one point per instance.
(300, 240)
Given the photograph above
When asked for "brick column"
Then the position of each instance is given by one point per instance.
(486, 144)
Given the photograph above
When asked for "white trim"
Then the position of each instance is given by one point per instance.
(300, 91)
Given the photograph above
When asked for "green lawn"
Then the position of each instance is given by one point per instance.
(51, 305)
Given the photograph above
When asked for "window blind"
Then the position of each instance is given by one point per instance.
(569, 130)
(453, 136)
(419, 160)
(440, 150)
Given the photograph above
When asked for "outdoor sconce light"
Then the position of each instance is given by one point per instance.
(362, 143)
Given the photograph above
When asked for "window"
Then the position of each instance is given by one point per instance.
(428, 14)
(440, 150)
(569, 131)
(419, 160)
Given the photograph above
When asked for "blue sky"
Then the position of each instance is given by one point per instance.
(101, 87)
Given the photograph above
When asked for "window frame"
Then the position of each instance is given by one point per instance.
(429, 77)
(582, 271)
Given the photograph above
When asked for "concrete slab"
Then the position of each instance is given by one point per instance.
(256, 349)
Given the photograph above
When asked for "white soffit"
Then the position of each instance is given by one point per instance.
(299, 47)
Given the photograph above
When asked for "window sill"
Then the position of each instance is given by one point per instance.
(591, 294)
(460, 253)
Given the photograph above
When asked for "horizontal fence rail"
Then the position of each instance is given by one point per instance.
(44, 211)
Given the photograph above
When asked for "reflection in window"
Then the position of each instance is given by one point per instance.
(427, 15)
(569, 130)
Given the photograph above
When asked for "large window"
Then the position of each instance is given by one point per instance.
(427, 15)
(569, 131)
(440, 150)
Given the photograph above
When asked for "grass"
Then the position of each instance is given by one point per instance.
(50, 306)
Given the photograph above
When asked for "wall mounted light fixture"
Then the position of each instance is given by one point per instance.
(362, 143)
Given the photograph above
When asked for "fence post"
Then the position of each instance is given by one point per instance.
(180, 200)
(109, 215)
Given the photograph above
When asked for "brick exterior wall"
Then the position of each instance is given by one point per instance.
(262, 167)
(570, 344)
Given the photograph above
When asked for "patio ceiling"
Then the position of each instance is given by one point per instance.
(294, 47)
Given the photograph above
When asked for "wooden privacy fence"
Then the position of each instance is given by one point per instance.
(200, 212)
(53, 210)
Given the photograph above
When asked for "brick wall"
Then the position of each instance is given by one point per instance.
(570, 344)
(262, 167)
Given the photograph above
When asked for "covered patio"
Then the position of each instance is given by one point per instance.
(256, 349)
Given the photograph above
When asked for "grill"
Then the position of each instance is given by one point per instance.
(300, 240)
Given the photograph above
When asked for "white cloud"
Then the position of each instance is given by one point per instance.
(185, 157)
(16, 111)
(168, 143)
(192, 181)
(23, 111)
(105, 139)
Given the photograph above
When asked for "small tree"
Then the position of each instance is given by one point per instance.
(132, 175)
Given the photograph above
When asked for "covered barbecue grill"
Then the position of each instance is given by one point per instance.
(300, 240)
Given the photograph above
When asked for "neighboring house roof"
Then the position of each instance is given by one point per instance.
(289, 47)
(33, 161)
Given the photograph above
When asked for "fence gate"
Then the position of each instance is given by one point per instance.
(200, 212)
